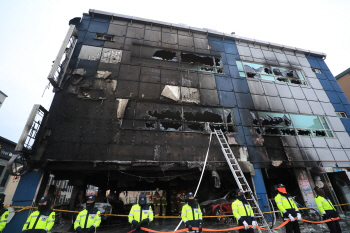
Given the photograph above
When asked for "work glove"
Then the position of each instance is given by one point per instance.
(92, 229)
(200, 221)
(299, 216)
(291, 218)
(189, 227)
(145, 221)
(246, 226)
(134, 222)
(254, 223)
(200, 227)
(325, 215)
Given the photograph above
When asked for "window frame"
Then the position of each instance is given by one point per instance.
(262, 127)
(299, 73)
(99, 35)
(340, 113)
(316, 70)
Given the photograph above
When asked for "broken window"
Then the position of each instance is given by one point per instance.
(104, 37)
(341, 114)
(271, 73)
(182, 118)
(285, 124)
(172, 58)
(106, 55)
(315, 70)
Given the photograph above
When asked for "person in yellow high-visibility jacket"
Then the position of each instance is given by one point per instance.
(41, 220)
(288, 209)
(140, 214)
(4, 213)
(88, 219)
(191, 213)
(327, 210)
(243, 212)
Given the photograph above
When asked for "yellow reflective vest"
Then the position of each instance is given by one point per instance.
(138, 215)
(93, 219)
(46, 220)
(188, 213)
(284, 203)
(3, 218)
(323, 204)
(241, 210)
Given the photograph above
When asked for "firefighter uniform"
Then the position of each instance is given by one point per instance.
(164, 203)
(178, 202)
(4, 213)
(156, 203)
(288, 209)
(41, 219)
(327, 210)
(243, 212)
(191, 213)
(173, 203)
(88, 219)
(140, 214)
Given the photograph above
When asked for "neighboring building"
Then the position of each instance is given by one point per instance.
(8, 184)
(344, 82)
(132, 110)
(2, 98)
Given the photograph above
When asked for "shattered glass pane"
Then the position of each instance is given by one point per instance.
(217, 127)
(218, 62)
(257, 68)
(301, 76)
(267, 77)
(319, 133)
(239, 66)
(279, 71)
(228, 116)
(306, 122)
(170, 126)
(203, 114)
(165, 55)
(257, 130)
(271, 131)
(324, 122)
(194, 127)
(151, 125)
(255, 118)
(295, 81)
(197, 59)
(242, 74)
(165, 114)
(252, 75)
(220, 71)
(231, 129)
(284, 80)
(304, 132)
(207, 69)
(330, 134)
(275, 119)
(288, 132)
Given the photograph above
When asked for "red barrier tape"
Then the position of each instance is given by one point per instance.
(237, 228)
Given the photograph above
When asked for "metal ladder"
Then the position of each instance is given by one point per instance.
(239, 176)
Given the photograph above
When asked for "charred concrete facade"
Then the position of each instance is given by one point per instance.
(136, 104)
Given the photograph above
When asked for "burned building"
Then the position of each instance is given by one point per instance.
(136, 99)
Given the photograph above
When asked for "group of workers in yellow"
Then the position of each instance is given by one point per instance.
(43, 219)
(141, 214)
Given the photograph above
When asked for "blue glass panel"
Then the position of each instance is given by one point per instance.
(230, 48)
(308, 122)
(336, 86)
(333, 97)
(326, 85)
(321, 76)
(314, 64)
(343, 98)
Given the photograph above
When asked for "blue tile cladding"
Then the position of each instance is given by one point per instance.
(332, 88)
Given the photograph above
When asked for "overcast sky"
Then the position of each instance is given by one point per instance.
(32, 33)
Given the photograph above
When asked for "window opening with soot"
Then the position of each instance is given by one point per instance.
(165, 117)
(271, 73)
(183, 60)
(284, 124)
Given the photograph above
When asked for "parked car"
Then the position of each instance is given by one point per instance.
(103, 207)
(212, 207)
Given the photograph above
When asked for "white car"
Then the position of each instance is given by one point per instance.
(104, 208)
